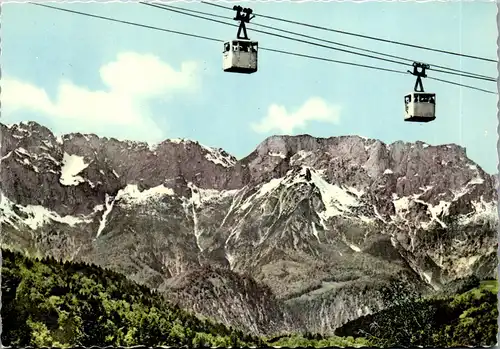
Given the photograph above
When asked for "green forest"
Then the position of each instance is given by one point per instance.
(50, 303)
(469, 318)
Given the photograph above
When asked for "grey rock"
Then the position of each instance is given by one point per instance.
(302, 234)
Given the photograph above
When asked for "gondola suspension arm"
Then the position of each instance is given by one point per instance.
(419, 87)
(244, 15)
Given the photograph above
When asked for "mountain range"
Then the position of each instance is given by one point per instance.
(303, 234)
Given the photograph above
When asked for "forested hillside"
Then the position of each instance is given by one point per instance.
(49, 303)
(467, 319)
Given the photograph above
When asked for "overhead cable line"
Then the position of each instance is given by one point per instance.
(218, 40)
(155, 4)
(458, 84)
(214, 39)
(126, 22)
(333, 60)
(184, 12)
(360, 35)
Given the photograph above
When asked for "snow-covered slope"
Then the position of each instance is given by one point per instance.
(322, 226)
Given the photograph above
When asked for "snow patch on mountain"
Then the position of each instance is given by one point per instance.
(358, 192)
(277, 154)
(354, 248)
(263, 190)
(27, 158)
(202, 196)
(216, 155)
(72, 165)
(6, 156)
(194, 201)
(22, 151)
(178, 140)
(338, 200)
(299, 157)
(219, 156)
(109, 202)
(34, 216)
(51, 158)
(484, 212)
(132, 195)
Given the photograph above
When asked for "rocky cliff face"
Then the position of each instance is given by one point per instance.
(302, 234)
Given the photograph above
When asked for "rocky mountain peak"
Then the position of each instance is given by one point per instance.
(313, 221)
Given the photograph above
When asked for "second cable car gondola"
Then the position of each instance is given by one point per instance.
(240, 55)
(420, 106)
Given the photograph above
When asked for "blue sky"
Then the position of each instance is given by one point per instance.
(78, 74)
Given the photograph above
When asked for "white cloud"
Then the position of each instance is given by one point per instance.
(132, 81)
(314, 109)
(146, 76)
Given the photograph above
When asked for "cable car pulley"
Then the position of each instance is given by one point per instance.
(243, 18)
(419, 87)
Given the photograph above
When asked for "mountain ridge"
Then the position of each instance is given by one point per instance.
(316, 222)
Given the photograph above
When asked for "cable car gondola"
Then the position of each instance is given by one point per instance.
(419, 105)
(240, 55)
